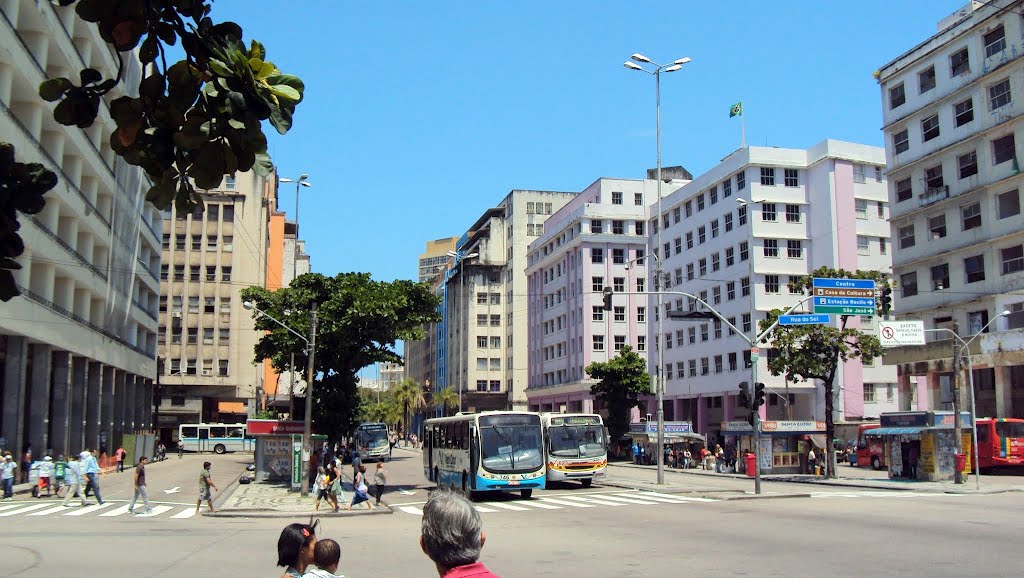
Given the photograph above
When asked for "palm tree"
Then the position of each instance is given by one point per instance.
(446, 399)
(409, 395)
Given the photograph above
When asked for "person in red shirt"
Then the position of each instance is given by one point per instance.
(452, 535)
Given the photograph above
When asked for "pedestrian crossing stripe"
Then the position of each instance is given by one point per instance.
(48, 512)
(157, 510)
(577, 501)
(88, 509)
(116, 511)
(23, 510)
(186, 513)
(875, 494)
(180, 511)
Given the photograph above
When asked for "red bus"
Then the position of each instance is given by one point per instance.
(871, 448)
(1000, 442)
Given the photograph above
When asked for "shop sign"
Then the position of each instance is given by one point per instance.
(737, 426)
(671, 427)
(793, 426)
(274, 427)
(296, 462)
(577, 420)
(904, 419)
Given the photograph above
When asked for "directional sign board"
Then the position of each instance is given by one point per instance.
(843, 296)
(897, 333)
(804, 319)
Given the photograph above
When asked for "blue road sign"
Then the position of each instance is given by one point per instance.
(804, 319)
(843, 302)
(826, 283)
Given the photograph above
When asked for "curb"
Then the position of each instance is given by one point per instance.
(664, 490)
(765, 497)
(228, 490)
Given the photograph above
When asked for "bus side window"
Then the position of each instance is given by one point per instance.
(236, 432)
(189, 432)
(218, 432)
(983, 434)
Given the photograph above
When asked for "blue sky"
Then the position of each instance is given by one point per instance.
(418, 116)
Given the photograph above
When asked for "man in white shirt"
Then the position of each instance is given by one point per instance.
(73, 480)
(7, 468)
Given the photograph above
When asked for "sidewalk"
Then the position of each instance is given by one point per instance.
(276, 500)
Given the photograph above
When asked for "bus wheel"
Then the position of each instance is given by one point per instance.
(876, 463)
(587, 482)
(219, 449)
(527, 494)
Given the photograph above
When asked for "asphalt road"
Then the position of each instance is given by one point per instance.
(608, 532)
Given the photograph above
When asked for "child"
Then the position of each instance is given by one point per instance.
(326, 556)
(321, 487)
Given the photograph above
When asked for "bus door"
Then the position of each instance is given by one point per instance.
(474, 456)
(430, 451)
(203, 445)
(985, 444)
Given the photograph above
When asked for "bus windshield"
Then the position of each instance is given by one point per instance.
(1010, 429)
(574, 441)
(510, 443)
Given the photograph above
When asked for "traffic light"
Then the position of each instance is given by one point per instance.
(744, 395)
(886, 300)
(607, 298)
(758, 395)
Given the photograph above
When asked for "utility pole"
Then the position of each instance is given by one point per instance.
(958, 476)
(307, 432)
(291, 387)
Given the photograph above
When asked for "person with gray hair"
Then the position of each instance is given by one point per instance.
(452, 535)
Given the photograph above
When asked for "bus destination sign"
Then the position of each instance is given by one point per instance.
(576, 420)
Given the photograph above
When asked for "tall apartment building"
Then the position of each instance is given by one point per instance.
(78, 347)
(950, 120)
(597, 240)
(390, 374)
(734, 237)
(206, 337)
(481, 342)
(435, 259)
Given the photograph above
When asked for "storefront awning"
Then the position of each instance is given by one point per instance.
(894, 431)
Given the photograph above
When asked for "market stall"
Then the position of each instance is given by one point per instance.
(921, 445)
(784, 443)
(679, 435)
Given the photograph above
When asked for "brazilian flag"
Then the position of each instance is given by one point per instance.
(736, 109)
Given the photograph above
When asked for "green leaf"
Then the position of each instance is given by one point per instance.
(289, 80)
(89, 76)
(208, 168)
(219, 68)
(256, 50)
(263, 165)
(152, 86)
(162, 193)
(286, 92)
(281, 119)
(90, 10)
(53, 89)
(149, 49)
(236, 124)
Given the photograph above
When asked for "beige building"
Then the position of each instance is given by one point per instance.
(436, 258)
(78, 347)
(206, 337)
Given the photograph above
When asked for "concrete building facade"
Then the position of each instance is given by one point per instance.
(734, 237)
(78, 347)
(950, 116)
(597, 240)
(435, 259)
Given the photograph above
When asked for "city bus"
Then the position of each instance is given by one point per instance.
(372, 441)
(871, 451)
(483, 452)
(1000, 442)
(577, 447)
(214, 437)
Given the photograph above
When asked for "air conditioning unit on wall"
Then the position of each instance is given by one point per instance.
(207, 373)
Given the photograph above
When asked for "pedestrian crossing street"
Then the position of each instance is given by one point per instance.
(108, 509)
(571, 501)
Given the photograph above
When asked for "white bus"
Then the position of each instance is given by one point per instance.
(372, 441)
(489, 451)
(214, 437)
(577, 447)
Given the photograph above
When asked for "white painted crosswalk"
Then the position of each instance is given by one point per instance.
(114, 510)
(572, 501)
(874, 494)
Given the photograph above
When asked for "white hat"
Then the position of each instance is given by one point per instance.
(47, 459)
(85, 454)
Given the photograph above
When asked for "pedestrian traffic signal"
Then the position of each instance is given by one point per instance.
(886, 300)
(607, 298)
(758, 395)
(744, 395)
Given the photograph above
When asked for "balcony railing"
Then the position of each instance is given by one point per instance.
(78, 256)
(933, 195)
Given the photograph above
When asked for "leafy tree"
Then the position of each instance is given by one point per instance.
(379, 407)
(622, 380)
(409, 394)
(192, 123)
(359, 322)
(816, 351)
(446, 399)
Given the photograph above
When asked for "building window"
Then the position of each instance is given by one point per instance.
(598, 313)
(640, 285)
(1003, 149)
(792, 213)
(616, 198)
(716, 295)
(713, 194)
(596, 226)
(744, 251)
(726, 188)
(167, 241)
(791, 177)
(1013, 259)
(229, 217)
(901, 141)
(933, 177)
(730, 290)
(193, 273)
(639, 227)
(741, 181)
(679, 245)
(164, 271)
(618, 227)
(225, 274)
(209, 304)
(741, 215)
(193, 335)
(959, 62)
(970, 216)
(179, 272)
(858, 174)
(597, 284)
(906, 234)
(940, 277)
(702, 235)
(598, 342)
(700, 202)
(619, 313)
(908, 284)
(968, 164)
(596, 255)
(638, 199)
(714, 229)
(228, 245)
(976, 321)
(618, 284)
(496, 320)
(926, 80)
(869, 393)
(768, 176)
(728, 222)
(863, 245)
(904, 191)
(768, 212)
(715, 262)
(883, 247)
(689, 240)
(999, 95)
(771, 284)
(930, 128)
(689, 272)
(794, 249)
(745, 288)
(618, 256)
(963, 112)
(995, 41)
(897, 96)
(861, 208)
(1008, 204)
(688, 207)
(937, 226)
(641, 314)
(771, 248)
(703, 266)
(974, 269)
(481, 341)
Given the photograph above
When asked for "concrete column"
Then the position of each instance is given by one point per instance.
(727, 409)
(1004, 392)
(39, 399)
(106, 430)
(702, 415)
(14, 393)
(93, 399)
(117, 398)
(130, 414)
(60, 403)
(147, 402)
(76, 404)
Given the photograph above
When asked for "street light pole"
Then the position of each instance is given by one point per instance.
(299, 183)
(659, 370)
(463, 331)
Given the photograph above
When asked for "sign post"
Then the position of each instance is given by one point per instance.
(843, 296)
(297, 462)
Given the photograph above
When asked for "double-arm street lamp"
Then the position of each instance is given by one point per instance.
(310, 354)
(660, 385)
(460, 259)
(965, 349)
(299, 183)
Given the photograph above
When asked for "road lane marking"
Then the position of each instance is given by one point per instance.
(539, 504)
(630, 500)
(2, 508)
(116, 512)
(411, 510)
(157, 510)
(504, 506)
(24, 509)
(186, 513)
(592, 500)
(674, 498)
(88, 509)
(60, 508)
(484, 510)
(566, 503)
